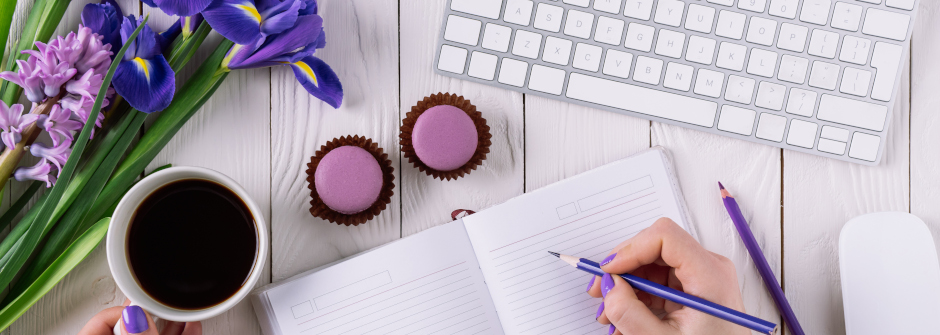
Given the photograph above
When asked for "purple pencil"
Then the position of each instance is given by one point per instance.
(770, 280)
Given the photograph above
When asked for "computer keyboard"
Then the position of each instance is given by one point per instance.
(814, 76)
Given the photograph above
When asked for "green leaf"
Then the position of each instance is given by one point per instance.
(73, 255)
(19, 204)
(7, 8)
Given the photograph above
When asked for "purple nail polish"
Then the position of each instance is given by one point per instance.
(135, 321)
(608, 259)
(612, 329)
(607, 283)
(591, 284)
(600, 309)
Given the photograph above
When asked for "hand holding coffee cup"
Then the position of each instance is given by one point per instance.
(132, 320)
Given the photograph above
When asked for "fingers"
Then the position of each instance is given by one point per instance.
(594, 287)
(134, 321)
(173, 328)
(663, 240)
(628, 314)
(193, 328)
(103, 322)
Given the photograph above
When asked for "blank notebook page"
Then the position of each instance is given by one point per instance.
(584, 216)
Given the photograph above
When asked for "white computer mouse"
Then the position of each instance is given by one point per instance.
(890, 275)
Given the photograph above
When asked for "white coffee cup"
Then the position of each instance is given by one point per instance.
(117, 240)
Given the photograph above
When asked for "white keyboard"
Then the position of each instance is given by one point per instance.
(815, 76)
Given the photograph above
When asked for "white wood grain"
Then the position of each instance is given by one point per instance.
(362, 46)
(925, 122)
(751, 172)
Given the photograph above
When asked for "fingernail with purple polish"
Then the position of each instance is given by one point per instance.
(607, 283)
(600, 310)
(591, 284)
(135, 321)
(612, 329)
(608, 259)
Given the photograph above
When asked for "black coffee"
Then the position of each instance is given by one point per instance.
(192, 244)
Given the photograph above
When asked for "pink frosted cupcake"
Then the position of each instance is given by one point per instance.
(445, 136)
(350, 180)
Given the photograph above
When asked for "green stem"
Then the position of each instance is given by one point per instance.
(7, 7)
(19, 204)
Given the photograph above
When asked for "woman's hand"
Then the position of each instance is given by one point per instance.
(134, 320)
(667, 255)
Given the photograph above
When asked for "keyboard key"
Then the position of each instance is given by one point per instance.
(852, 112)
(823, 43)
(824, 75)
(801, 102)
(865, 146)
(579, 24)
(886, 24)
(582, 3)
(761, 31)
(678, 77)
(730, 24)
(833, 133)
(855, 50)
(709, 83)
(792, 37)
(609, 31)
(731, 56)
(670, 43)
(846, 16)
(736, 120)
(453, 59)
(669, 12)
(548, 17)
(700, 18)
(587, 57)
(770, 96)
(752, 5)
(784, 8)
(617, 63)
(496, 37)
(482, 65)
(902, 4)
(701, 50)
(771, 127)
(527, 44)
(740, 89)
(885, 59)
(762, 63)
(638, 9)
(793, 69)
(546, 79)
(815, 11)
(485, 8)
(855, 82)
(647, 70)
(518, 12)
(639, 37)
(462, 30)
(513, 72)
(877, 2)
(802, 133)
(610, 6)
(642, 100)
(557, 50)
(830, 146)
(723, 2)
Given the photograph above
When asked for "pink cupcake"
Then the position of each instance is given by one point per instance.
(350, 179)
(445, 136)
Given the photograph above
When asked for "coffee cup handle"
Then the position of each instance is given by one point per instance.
(117, 326)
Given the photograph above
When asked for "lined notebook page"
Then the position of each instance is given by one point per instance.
(429, 283)
(585, 216)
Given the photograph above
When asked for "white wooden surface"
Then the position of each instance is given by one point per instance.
(261, 129)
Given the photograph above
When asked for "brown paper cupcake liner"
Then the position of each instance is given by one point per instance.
(483, 133)
(321, 210)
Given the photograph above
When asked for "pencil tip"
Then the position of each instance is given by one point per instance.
(721, 186)
(555, 254)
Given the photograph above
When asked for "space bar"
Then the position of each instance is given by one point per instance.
(642, 100)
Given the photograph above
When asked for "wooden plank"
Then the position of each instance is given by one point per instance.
(362, 47)
(820, 196)
(925, 123)
(751, 172)
(427, 202)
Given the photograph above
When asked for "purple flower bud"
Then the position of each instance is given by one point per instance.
(40, 171)
(57, 155)
(12, 122)
(59, 125)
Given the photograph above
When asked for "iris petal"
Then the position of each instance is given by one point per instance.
(311, 7)
(237, 20)
(182, 7)
(319, 80)
(281, 17)
(104, 19)
(146, 84)
(145, 45)
(290, 45)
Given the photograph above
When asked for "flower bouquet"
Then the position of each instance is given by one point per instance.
(91, 91)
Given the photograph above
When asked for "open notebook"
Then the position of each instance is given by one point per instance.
(488, 273)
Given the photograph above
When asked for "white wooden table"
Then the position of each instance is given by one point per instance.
(261, 128)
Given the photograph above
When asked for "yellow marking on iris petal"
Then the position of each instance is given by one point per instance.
(251, 11)
(187, 26)
(143, 65)
(306, 69)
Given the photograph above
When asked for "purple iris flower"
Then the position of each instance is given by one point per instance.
(143, 77)
(104, 19)
(179, 7)
(13, 122)
(294, 45)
